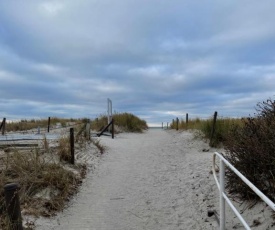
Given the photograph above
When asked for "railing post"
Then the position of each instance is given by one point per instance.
(222, 200)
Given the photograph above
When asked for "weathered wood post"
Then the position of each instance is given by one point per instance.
(186, 120)
(88, 130)
(177, 123)
(49, 123)
(113, 128)
(3, 126)
(213, 128)
(72, 144)
(13, 206)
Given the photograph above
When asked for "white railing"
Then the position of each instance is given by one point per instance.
(223, 196)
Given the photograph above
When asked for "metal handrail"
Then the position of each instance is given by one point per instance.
(223, 196)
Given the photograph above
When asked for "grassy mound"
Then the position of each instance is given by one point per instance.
(125, 122)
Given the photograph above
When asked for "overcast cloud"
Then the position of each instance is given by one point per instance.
(157, 59)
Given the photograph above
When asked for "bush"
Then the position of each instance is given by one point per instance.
(251, 149)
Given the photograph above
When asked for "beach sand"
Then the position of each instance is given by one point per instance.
(156, 180)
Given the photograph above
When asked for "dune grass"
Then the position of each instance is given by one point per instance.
(46, 179)
(37, 175)
(125, 122)
(222, 127)
(25, 124)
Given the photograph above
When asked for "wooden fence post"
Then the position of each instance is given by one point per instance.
(186, 120)
(88, 131)
(72, 144)
(177, 123)
(49, 123)
(13, 206)
(3, 126)
(213, 127)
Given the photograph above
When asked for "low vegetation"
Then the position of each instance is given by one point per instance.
(251, 149)
(46, 179)
(24, 124)
(45, 185)
(222, 127)
(124, 122)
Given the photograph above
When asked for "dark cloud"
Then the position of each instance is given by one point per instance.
(157, 59)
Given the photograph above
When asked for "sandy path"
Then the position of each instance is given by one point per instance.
(157, 180)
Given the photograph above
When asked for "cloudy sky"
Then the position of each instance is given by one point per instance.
(158, 59)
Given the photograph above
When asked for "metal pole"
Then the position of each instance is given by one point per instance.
(111, 109)
(108, 118)
(13, 206)
(113, 128)
(222, 200)
(72, 144)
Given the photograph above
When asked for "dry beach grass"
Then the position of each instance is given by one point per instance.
(46, 179)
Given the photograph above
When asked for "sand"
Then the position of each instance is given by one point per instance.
(155, 180)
